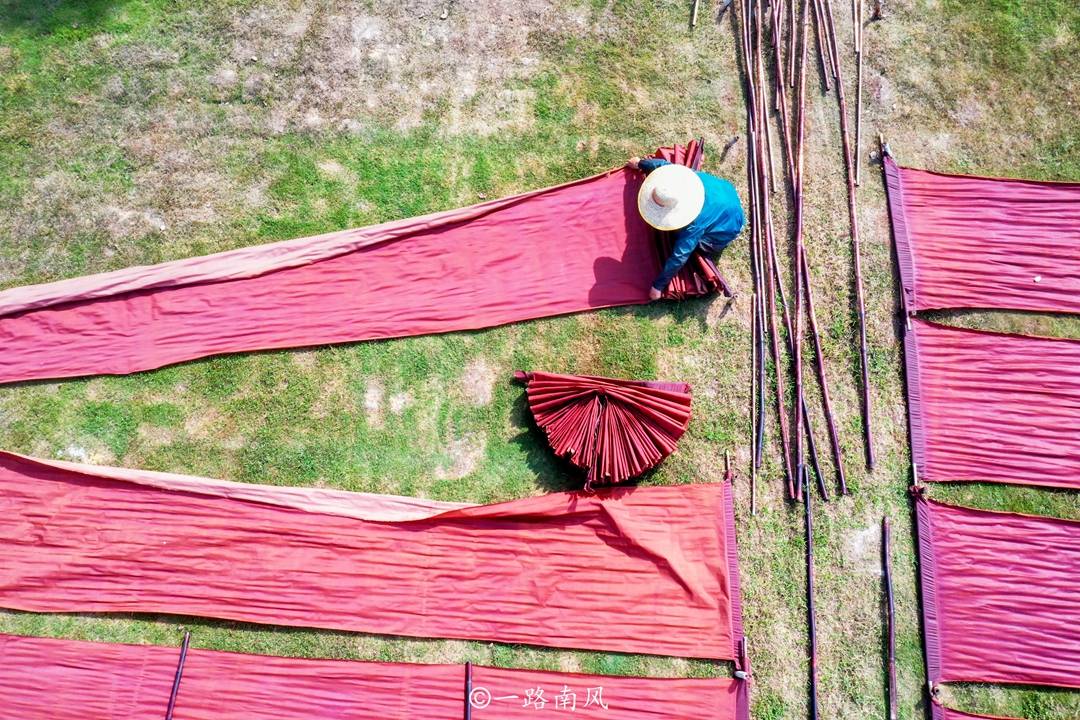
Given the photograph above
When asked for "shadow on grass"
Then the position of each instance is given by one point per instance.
(47, 17)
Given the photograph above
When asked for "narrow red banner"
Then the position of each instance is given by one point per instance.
(45, 679)
(639, 570)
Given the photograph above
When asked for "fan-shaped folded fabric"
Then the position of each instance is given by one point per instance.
(613, 429)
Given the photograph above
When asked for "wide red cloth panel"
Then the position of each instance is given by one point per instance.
(46, 679)
(613, 429)
(548, 252)
(640, 570)
(1001, 596)
(975, 242)
(993, 407)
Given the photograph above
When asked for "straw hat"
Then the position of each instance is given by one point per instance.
(671, 197)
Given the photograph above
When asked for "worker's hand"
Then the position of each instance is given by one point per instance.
(632, 163)
(655, 294)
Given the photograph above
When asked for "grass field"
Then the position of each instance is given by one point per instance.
(135, 131)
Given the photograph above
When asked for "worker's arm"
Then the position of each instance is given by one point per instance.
(686, 241)
(647, 165)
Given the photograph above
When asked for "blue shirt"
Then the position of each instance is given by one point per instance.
(720, 221)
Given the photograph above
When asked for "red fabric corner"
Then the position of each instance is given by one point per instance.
(613, 429)
(974, 242)
(45, 679)
(993, 407)
(1003, 606)
(640, 570)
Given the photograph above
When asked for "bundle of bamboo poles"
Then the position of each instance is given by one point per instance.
(775, 60)
(774, 41)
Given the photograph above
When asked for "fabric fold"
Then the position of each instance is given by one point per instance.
(648, 565)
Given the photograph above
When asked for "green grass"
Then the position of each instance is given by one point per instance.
(110, 118)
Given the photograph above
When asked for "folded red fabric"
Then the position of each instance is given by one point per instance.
(974, 242)
(993, 407)
(641, 570)
(45, 679)
(559, 250)
(1001, 596)
(613, 429)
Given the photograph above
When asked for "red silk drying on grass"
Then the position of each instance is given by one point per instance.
(559, 250)
(975, 242)
(1001, 596)
(637, 570)
(940, 712)
(46, 679)
(613, 429)
(993, 407)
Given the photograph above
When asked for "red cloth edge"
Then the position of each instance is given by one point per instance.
(739, 651)
(928, 588)
(916, 418)
(905, 260)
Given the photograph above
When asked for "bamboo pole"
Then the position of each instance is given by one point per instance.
(890, 621)
(800, 460)
(858, 106)
(781, 95)
(853, 221)
(807, 424)
(468, 691)
(823, 381)
(824, 55)
(810, 609)
(171, 707)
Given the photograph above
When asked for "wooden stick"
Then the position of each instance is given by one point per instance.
(853, 222)
(171, 707)
(890, 620)
(833, 59)
(693, 15)
(823, 382)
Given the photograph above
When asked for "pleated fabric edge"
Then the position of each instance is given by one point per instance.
(928, 587)
(916, 417)
(739, 651)
(905, 259)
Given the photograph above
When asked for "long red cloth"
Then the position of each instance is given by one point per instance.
(559, 250)
(45, 679)
(640, 570)
(1001, 596)
(993, 407)
(614, 429)
(975, 242)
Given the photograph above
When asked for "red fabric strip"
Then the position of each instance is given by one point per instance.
(566, 249)
(940, 712)
(1001, 596)
(993, 407)
(640, 570)
(45, 679)
(613, 429)
(974, 242)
